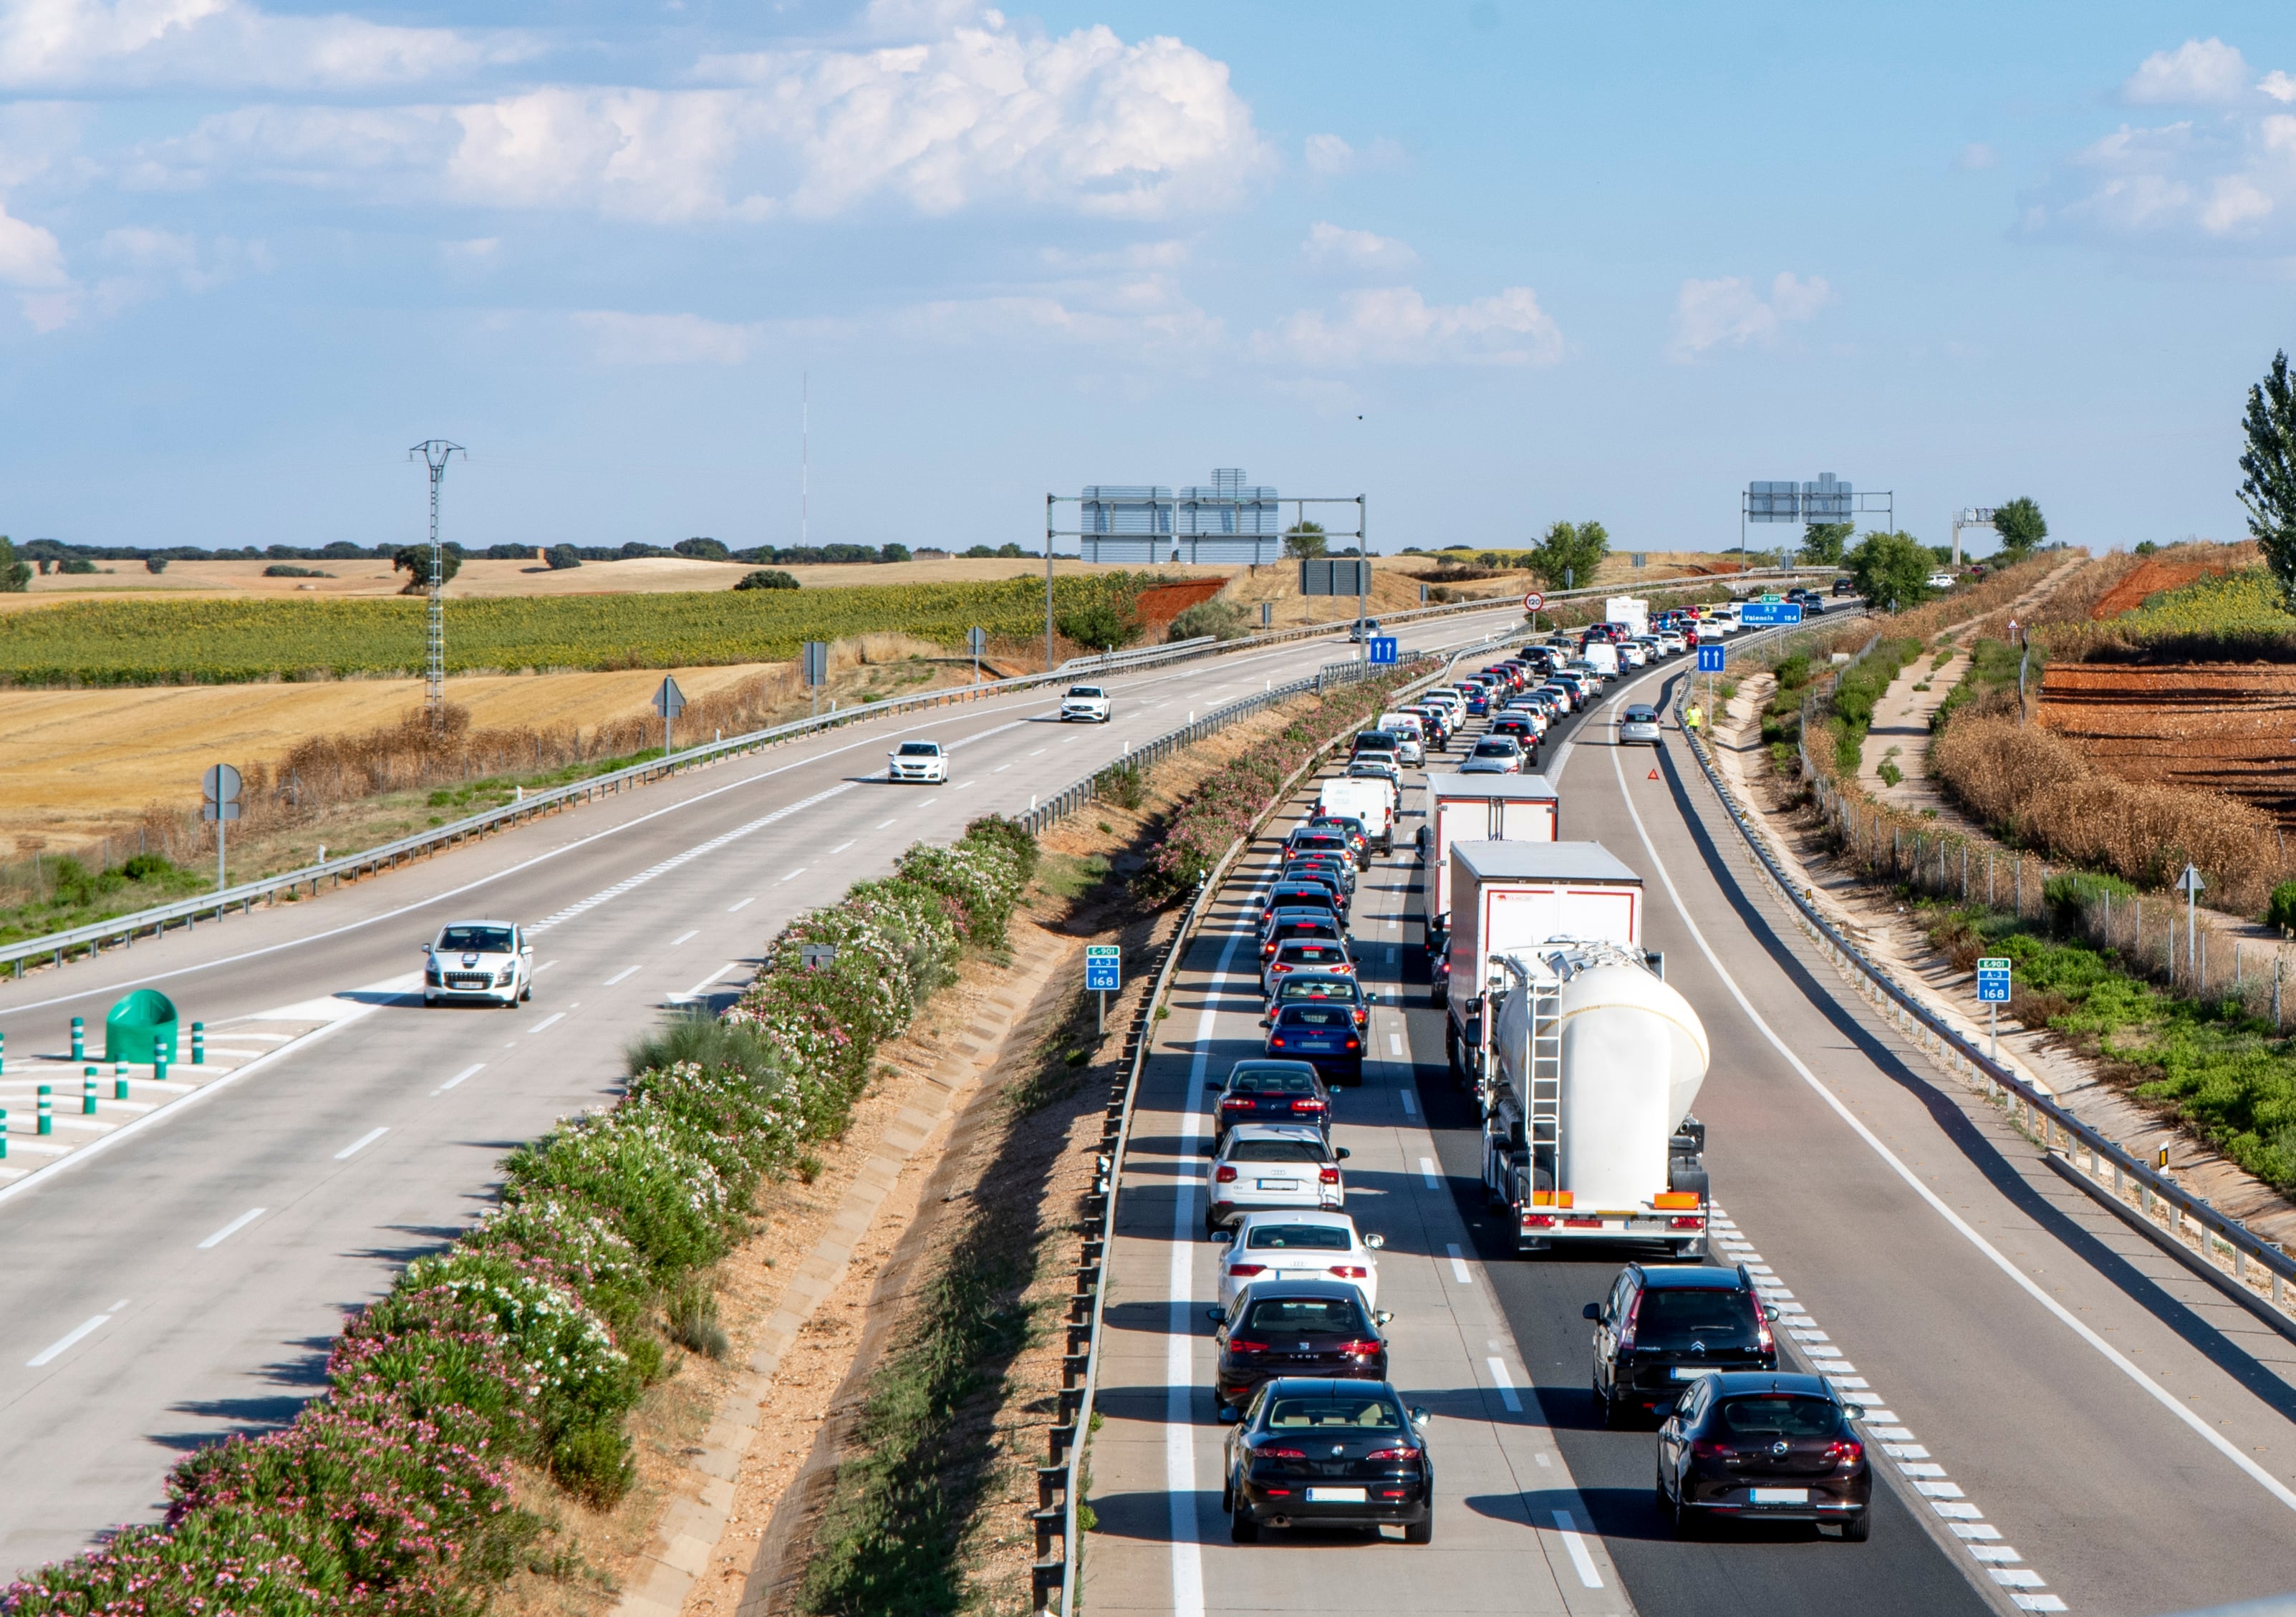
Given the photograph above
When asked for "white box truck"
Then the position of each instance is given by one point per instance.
(1474, 808)
(1589, 1137)
(1369, 799)
(1630, 609)
(1508, 897)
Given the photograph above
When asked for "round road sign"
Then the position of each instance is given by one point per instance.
(1532, 601)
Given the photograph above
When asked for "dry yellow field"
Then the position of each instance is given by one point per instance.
(75, 765)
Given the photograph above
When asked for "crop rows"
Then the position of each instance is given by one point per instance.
(228, 642)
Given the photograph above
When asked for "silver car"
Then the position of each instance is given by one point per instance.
(1267, 1165)
(1638, 724)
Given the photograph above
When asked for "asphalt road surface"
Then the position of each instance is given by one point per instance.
(2078, 1422)
(183, 1281)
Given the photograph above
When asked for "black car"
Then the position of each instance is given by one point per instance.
(1320, 985)
(1338, 861)
(1749, 1447)
(1310, 1453)
(1260, 1091)
(1661, 1328)
(1322, 1031)
(1844, 586)
(1285, 924)
(1300, 895)
(1318, 839)
(1294, 1328)
(1317, 876)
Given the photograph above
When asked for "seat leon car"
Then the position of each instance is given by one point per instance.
(922, 761)
(478, 962)
(1294, 1328)
(1290, 1245)
(1637, 725)
(1283, 1165)
(1662, 1327)
(1333, 1454)
(1261, 1091)
(1749, 1447)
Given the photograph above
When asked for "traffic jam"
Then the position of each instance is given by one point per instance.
(1583, 1066)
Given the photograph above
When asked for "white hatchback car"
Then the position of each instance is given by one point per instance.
(1273, 1165)
(479, 961)
(1085, 702)
(1300, 1246)
(917, 760)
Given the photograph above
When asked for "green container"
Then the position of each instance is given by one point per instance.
(141, 1028)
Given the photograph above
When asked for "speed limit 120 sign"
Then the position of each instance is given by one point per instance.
(1532, 601)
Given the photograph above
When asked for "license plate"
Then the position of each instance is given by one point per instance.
(1692, 1372)
(1641, 1223)
(1336, 1496)
(1279, 1184)
(1778, 1496)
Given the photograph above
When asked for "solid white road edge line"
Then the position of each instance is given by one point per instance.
(360, 1144)
(231, 1228)
(2111, 1355)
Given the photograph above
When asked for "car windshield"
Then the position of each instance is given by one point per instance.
(1316, 1016)
(1356, 1413)
(1299, 1237)
(1271, 1083)
(1334, 1315)
(1084, 690)
(920, 749)
(1779, 1415)
(1675, 1317)
(1275, 1151)
(477, 940)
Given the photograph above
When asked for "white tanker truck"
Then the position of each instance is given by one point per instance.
(1594, 1063)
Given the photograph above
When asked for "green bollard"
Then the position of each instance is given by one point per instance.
(159, 1071)
(80, 1038)
(87, 1092)
(4, 1052)
(47, 1104)
(3, 1134)
(199, 1044)
(119, 1080)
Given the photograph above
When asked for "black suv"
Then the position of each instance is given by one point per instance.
(1844, 586)
(1661, 1329)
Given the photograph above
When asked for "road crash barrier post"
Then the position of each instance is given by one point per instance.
(3, 1134)
(46, 1110)
(4, 1052)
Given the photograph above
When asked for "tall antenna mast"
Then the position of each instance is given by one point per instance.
(435, 453)
(805, 463)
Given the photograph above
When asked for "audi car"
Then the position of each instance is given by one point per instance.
(1273, 1165)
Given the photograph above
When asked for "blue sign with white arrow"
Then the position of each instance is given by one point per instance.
(1382, 648)
(1762, 614)
(1710, 659)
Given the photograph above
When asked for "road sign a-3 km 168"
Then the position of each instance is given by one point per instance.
(1993, 979)
(1102, 968)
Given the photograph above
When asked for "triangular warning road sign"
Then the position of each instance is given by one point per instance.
(1653, 775)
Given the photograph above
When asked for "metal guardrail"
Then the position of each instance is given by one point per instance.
(1071, 1433)
(2038, 1113)
(243, 897)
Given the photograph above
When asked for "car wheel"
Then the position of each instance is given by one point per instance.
(431, 1000)
(1858, 1528)
(1241, 1528)
(1613, 1413)
(1421, 1532)
(1684, 1521)
(526, 993)
(1227, 1481)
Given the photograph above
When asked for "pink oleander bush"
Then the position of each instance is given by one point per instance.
(529, 1339)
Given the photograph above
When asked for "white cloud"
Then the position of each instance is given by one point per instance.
(624, 339)
(2221, 185)
(1708, 314)
(112, 44)
(1396, 326)
(988, 114)
(2278, 85)
(1328, 246)
(30, 257)
(2198, 72)
(1976, 157)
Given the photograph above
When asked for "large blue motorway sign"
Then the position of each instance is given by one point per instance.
(1382, 648)
(1756, 614)
(1710, 659)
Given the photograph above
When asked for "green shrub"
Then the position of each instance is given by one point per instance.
(692, 1314)
(1889, 773)
(593, 1463)
(143, 867)
(1124, 784)
(1099, 625)
(1221, 620)
(2070, 894)
(767, 577)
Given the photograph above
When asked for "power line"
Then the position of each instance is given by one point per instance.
(435, 453)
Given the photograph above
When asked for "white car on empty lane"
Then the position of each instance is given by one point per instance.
(923, 761)
(478, 962)
(1299, 1245)
(1087, 704)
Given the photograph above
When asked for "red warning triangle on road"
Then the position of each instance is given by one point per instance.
(1653, 775)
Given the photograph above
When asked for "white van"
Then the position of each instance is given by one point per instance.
(1603, 657)
(1412, 733)
(1367, 798)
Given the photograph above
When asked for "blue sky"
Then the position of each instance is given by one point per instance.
(1489, 264)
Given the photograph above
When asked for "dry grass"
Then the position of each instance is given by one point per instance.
(2037, 784)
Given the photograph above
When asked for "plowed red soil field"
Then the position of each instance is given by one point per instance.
(2230, 727)
(2149, 580)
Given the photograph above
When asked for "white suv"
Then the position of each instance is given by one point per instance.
(1089, 702)
(917, 760)
(482, 962)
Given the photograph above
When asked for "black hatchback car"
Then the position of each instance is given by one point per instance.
(1750, 1446)
(1294, 1328)
(1662, 1328)
(1270, 1092)
(1312, 1453)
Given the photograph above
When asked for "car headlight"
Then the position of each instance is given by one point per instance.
(506, 976)
(431, 975)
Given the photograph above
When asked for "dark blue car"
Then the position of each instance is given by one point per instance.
(1324, 1034)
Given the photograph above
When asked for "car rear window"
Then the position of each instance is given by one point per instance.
(1642, 716)
(1275, 1151)
(1271, 1083)
(1315, 986)
(1313, 954)
(1299, 1237)
(920, 749)
(1316, 1016)
(1494, 747)
(480, 940)
(1779, 1415)
(1675, 1317)
(1355, 1414)
(1288, 929)
(1331, 1315)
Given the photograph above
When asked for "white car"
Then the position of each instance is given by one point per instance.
(1494, 755)
(1942, 580)
(1299, 1246)
(1637, 724)
(1633, 653)
(1672, 644)
(478, 962)
(1087, 704)
(1273, 1165)
(917, 760)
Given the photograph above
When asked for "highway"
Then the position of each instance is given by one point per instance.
(184, 1281)
(2063, 1418)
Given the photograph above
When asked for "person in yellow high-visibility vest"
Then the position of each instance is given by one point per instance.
(1695, 716)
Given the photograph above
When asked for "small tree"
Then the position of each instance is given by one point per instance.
(703, 550)
(1891, 567)
(1305, 539)
(415, 560)
(2267, 484)
(767, 577)
(1099, 625)
(1823, 543)
(2021, 527)
(1569, 553)
(557, 558)
(15, 576)
(155, 564)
